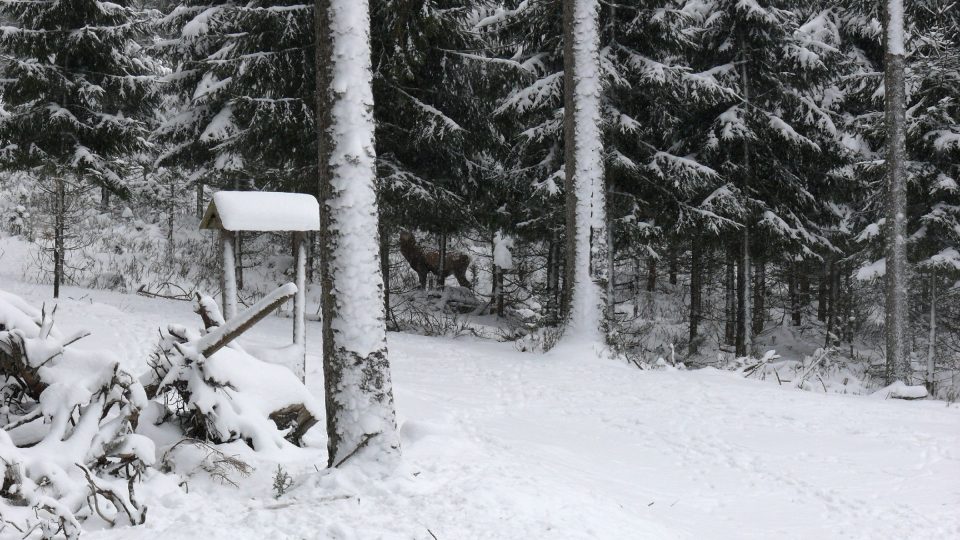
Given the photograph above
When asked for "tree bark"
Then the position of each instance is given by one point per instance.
(898, 362)
(742, 294)
(744, 334)
(932, 337)
(651, 274)
(696, 276)
(200, 207)
(385, 263)
(570, 156)
(359, 394)
(759, 297)
(611, 305)
(823, 292)
(59, 232)
(442, 263)
(673, 264)
(171, 208)
(730, 298)
(585, 195)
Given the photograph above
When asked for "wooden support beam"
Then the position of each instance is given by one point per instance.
(234, 327)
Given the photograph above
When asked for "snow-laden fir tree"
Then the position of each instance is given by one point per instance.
(779, 116)
(79, 95)
(359, 394)
(928, 165)
(201, 118)
(430, 120)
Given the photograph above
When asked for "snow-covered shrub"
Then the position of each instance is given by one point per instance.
(68, 450)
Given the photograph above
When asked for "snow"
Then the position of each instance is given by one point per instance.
(503, 444)
(873, 270)
(263, 211)
(502, 245)
(899, 390)
(895, 28)
(362, 391)
(586, 297)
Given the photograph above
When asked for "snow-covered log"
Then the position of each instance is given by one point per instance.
(68, 450)
(219, 393)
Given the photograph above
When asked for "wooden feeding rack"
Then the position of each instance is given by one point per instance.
(231, 212)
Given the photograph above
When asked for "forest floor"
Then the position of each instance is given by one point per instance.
(500, 444)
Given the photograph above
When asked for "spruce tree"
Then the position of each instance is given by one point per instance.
(79, 92)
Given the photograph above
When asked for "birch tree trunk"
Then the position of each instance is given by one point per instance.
(359, 397)
(898, 363)
(585, 194)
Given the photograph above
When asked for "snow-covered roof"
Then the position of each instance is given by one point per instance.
(262, 211)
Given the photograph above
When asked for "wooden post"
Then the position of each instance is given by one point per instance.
(228, 276)
(300, 301)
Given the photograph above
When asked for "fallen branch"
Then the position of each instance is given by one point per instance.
(363, 443)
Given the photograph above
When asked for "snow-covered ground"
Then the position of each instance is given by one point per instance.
(501, 444)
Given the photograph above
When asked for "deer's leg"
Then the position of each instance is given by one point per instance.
(461, 275)
(422, 273)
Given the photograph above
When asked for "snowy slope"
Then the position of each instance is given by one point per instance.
(502, 444)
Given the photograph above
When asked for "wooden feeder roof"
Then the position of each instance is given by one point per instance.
(261, 211)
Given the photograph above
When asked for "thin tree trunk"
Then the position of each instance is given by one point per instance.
(932, 337)
(500, 292)
(104, 199)
(803, 285)
(823, 292)
(730, 298)
(696, 277)
(171, 208)
(673, 265)
(759, 297)
(636, 286)
(651, 274)
(59, 232)
(442, 263)
(794, 293)
(238, 251)
(200, 207)
(359, 394)
(496, 281)
(611, 274)
(742, 294)
(848, 309)
(570, 157)
(746, 299)
(898, 363)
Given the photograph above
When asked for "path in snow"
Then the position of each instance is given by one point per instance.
(502, 444)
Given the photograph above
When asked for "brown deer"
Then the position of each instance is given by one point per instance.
(423, 262)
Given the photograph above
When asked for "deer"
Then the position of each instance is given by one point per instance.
(423, 262)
